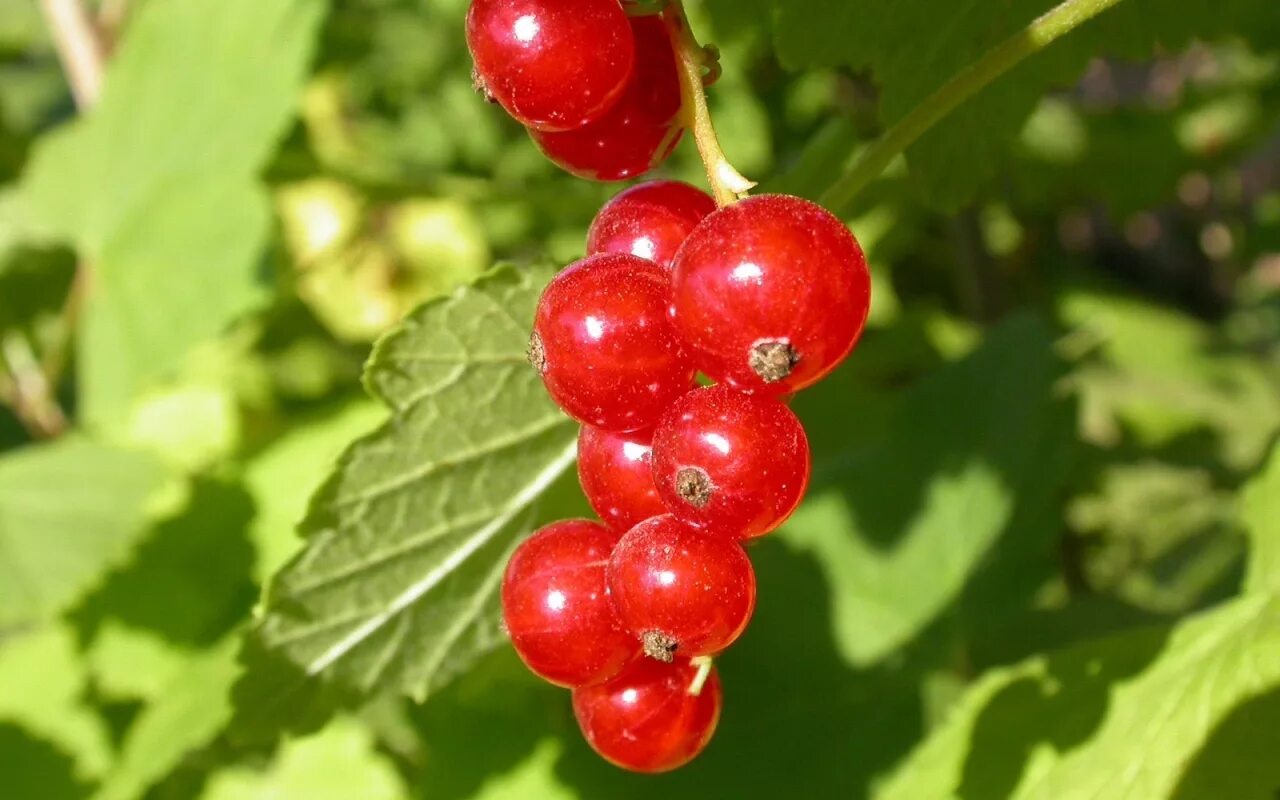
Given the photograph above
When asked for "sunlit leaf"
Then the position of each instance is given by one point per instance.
(406, 541)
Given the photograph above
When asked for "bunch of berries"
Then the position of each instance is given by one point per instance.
(597, 88)
(763, 296)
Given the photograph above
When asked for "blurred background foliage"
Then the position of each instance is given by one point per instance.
(1016, 569)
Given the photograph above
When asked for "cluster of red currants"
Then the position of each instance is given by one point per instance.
(598, 89)
(764, 297)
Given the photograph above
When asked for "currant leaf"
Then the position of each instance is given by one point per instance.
(1123, 717)
(1261, 511)
(397, 587)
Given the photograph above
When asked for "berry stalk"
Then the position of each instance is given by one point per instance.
(727, 184)
(704, 665)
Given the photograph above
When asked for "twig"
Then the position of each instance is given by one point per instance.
(33, 389)
(703, 663)
(31, 397)
(111, 18)
(1042, 32)
(79, 48)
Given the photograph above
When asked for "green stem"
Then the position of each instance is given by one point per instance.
(726, 183)
(703, 663)
(1042, 32)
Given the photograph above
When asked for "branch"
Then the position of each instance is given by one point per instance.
(111, 19)
(29, 394)
(1041, 33)
(31, 391)
(79, 48)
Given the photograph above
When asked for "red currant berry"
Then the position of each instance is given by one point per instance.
(730, 461)
(650, 220)
(651, 718)
(604, 346)
(555, 601)
(680, 589)
(639, 131)
(616, 474)
(552, 64)
(771, 292)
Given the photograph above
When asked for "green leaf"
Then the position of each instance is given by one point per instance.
(1195, 380)
(133, 664)
(535, 776)
(338, 763)
(966, 150)
(190, 581)
(187, 587)
(69, 512)
(1159, 536)
(975, 448)
(283, 476)
(1118, 718)
(157, 187)
(45, 684)
(1262, 520)
(192, 709)
(397, 586)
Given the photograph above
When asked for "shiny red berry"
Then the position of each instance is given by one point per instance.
(682, 590)
(771, 292)
(616, 474)
(730, 461)
(650, 220)
(552, 64)
(555, 602)
(651, 718)
(639, 131)
(604, 345)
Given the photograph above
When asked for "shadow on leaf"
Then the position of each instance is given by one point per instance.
(191, 581)
(1239, 759)
(1060, 706)
(35, 769)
